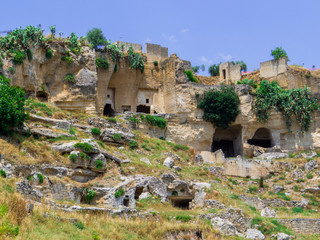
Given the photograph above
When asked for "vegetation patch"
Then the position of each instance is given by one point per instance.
(133, 144)
(116, 137)
(120, 192)
(294, 102)
(221, 107)
(96, 131)
(99, 164)
(69, 78)
(135, 60)
(49, 53)
(102, 63)
(86, 147)
(3, 173)
(190, 76)
(156, 121)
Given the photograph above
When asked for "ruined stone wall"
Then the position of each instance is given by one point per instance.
(126, 45)
(230, 73)
(302, 225)
(156, 52)
(272, 68)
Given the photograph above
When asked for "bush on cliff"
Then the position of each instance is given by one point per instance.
(12, 99)
(221, 107)
(96, 37)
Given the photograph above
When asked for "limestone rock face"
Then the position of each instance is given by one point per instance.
(311, 165)
(254, 234)
(224, 226)
(278, 188)
(47, 133)
(283, 236)
(157, 187)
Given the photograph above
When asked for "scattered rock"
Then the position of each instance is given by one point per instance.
(219, 172)
(198, 159)
(47, 133)
(297, 174)
(177, 168)
(309, 155)
(254, 234)
(145, 160)
(268, 212)
(225, 227)
(157, 187)
(278, 188)
(58, 123)
(311, 165)
(144, 195)
(273, 155)
(283, 236)
(168, 162)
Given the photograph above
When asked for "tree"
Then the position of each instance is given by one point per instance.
(195, 69)
(243, 65)
(221, 107)
(278, 53)
(96, 37)
(214, 70)
(12, 99)
(203, 67)
(53, 31)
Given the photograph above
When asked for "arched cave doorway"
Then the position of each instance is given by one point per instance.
(228, 140)
(108, 111)
(262, 138)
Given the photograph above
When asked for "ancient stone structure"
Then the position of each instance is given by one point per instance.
(230, 73)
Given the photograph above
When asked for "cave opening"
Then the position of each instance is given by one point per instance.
(183, 203)
(228, 140)
(138, 192)
(108, 111)
(143, 109)
(262, 138)
(126, 201)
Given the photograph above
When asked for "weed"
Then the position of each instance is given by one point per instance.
(96, 131)
(79, 225)
(40, 178)
(49, 53)
(99, 164)
(133, 144)
(183, 218)
(3, 173)
(86, 147)
(116, 137)
(73, 157)
(120, 192)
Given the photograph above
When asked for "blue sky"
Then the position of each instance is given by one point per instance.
(204, 32)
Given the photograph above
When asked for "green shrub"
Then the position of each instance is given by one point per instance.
(183, 218)
(250, 82)
(115, 52)
(112, 119)
(30, 177)
(86, 147)
(39, 106)
(144, 146)
(135, 60)
(283, 196)
(256, 221)
(234, 196)
(134, 119)
(49, 53)
(309, 175)
(269, 96)
(297, 210)
(296, 188)
(12, 70)
(120, 192)
(116, 137)
(155, 63)
(102, 63)
(89, 195)
(96, 131)
(278, 53)
(190, 77)
(79, 225)
(133, 144)
(68, 59)
(307, 75)
(156, 121)
(220, 107)
(40, 178)
(300, 180)
(99, 164)
(72, 131)
(12, 103)
(3, 173)
(252, 208)
(53, 31)
(84, 156)
(243, 65)
(253, 189)
(73, 157)
(180, 147)
(18, 57)
(96, 37)
(74, 44)
(29, 54)
(70, 78)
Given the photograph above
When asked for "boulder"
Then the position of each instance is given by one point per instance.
(218, 172)
(47, 133)
(64, 147)
(97, 159)
(278, 188)
(254, 234)
(58, 123)
(157, 187)
(146, 161)
(198, 159)
(176, 168)
(311, 165)
(268, 212)
(309, 155)
(168, 162)
(283, 236)
(108, 134)
(273, 155)
(144, 195)
(225, 227)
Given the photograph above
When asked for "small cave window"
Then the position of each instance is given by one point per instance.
(262, 138)
(108, 96)
(126, 201)
(224, 73)
(147, 100)
(143, 109)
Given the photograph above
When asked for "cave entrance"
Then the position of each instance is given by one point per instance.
(183, 203)
(228, 140)
(138, 192)
(143, 109)
(42, 96)
(126, 201)
(108, 111)
(262, 138)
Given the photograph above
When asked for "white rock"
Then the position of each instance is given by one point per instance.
(145, 160)
(144, 195)
(254, 234)
(283, 236)
(268, 212)
(224, 226)
(169, 162)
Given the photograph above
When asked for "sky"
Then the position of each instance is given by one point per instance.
(203, 32)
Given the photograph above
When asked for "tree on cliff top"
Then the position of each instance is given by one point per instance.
(12, 99)
(214, 70)
(278, 53)
(96, 37)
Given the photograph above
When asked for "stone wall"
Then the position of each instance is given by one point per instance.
(230, 73)
(302, 225)
(272, 68)
(126, 45)
(156, 52)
